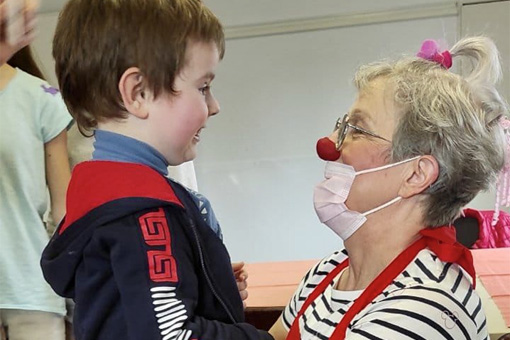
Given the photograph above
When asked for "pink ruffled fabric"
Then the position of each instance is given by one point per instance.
(503, 184)
(491, 236)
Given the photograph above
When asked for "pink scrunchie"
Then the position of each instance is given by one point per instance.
(430, 51)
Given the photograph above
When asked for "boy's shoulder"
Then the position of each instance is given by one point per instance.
(96, 183)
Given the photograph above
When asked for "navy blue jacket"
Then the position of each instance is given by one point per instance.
(139, 261)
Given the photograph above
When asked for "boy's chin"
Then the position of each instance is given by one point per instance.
(188, 156)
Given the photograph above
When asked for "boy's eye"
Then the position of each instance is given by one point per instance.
(203, 90)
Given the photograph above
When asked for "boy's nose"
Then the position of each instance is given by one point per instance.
(213, 106)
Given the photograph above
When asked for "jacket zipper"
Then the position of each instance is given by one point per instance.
(202, 263)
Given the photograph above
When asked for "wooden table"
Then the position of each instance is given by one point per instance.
(272, 284)
(270, 287)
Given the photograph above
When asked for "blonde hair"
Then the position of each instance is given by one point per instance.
(453, 118)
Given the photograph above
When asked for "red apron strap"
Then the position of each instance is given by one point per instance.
(294, 333)
(441, 241)
(383, 280)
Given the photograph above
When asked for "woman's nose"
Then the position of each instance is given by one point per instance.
(326, 148)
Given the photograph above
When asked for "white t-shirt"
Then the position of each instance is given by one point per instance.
(32, 113)
(430, 299)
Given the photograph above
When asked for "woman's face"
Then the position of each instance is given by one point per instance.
(374, 110)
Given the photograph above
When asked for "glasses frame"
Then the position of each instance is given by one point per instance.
(342, 124)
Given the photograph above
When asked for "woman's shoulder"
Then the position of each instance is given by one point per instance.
(428, 276)
(318, 272)
(312, 278)
(327, 264)
(334, 259)
(430, 268)
(436, 295)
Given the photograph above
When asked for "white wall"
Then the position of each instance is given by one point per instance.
(46, 23)
(279, 94)
(249, 12)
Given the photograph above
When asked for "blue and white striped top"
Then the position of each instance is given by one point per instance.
(429, 300)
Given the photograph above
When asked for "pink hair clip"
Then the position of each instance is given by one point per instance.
(430, 51)
(503, 185)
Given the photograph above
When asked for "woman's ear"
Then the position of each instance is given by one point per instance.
(423, 172)
(133, 92)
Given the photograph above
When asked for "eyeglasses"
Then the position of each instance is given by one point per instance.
(342, 126)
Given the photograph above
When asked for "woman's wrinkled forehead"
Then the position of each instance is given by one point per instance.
(376, 100)
(378, 86)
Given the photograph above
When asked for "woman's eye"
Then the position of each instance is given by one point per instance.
(356, 132)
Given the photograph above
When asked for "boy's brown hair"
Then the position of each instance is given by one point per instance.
(96, 41)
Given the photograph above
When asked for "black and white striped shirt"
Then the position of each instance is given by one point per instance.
(429, 300)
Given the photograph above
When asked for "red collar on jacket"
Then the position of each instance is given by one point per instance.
(95, 183)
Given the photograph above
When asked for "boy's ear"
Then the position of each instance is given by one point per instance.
(133, 92)
(421, 175)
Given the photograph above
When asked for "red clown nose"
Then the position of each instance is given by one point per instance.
(326, 150)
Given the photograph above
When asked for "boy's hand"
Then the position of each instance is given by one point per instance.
(241, 275)
(7, 50)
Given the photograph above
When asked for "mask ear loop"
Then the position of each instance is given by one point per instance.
(386, 166)
(396, 199)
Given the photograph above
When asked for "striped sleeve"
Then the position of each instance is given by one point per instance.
(422, 312)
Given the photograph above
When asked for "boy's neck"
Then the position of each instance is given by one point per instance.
(111, 146)
(122, 127)
(6, 74)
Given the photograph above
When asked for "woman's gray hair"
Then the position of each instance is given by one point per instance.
(453, 118)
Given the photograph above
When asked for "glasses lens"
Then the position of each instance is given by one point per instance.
(342, 128)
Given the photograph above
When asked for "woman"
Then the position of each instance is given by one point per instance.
(417, 145)
(33, 157)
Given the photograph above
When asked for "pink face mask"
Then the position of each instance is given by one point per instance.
(330, 196)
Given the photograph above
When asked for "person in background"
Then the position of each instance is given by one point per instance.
(33, 157)
(417, 145)
(134, 251)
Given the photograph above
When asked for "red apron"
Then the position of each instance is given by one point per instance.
(441, 241)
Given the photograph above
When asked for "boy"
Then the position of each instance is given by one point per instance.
(133, 251)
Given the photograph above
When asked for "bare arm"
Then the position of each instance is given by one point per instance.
(278, 331)
(58, 173)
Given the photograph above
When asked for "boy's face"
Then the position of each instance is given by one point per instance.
(177, 120)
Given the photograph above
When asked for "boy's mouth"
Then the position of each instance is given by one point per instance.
(196, 138)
